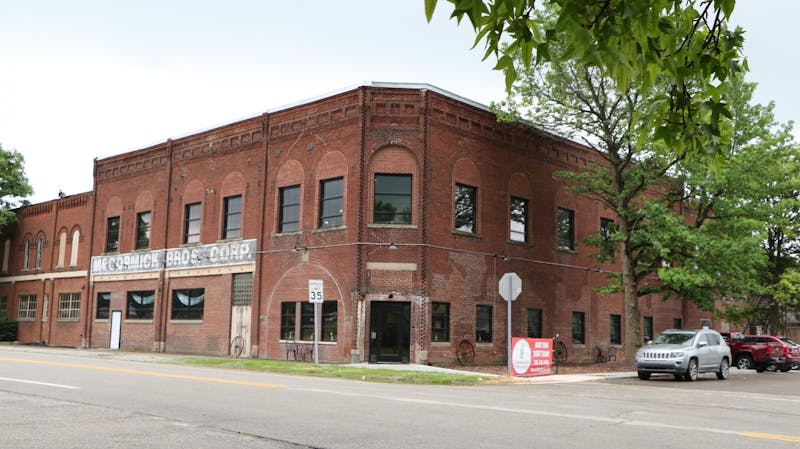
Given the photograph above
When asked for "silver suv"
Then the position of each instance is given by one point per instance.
(684, 354)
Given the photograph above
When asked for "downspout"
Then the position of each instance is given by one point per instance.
(90, 235)
(358, 354)
(160, 345)
(255, 318)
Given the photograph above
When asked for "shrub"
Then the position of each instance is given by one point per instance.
(8, 330)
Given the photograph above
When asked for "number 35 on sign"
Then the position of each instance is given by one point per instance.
(315, 291)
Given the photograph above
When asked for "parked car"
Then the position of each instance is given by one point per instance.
(684, 354)
(796, 346)
(791, 354)
(753, 354)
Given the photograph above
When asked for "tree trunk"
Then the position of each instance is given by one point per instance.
(633, 328)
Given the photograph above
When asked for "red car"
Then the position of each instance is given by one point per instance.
(790, 352)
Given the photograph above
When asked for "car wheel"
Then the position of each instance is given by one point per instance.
(643, 375)
(724, 369)
(785, 369)
(772, 367)
(691, 371)
(677, 376)
(744, 362)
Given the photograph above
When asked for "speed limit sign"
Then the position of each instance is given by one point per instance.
(315, 291)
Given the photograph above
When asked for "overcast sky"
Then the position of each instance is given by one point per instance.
(86, 79)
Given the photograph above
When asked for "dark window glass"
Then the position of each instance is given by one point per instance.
(39, 252)
(392, 199)
(483, 324)
(534, 323)
(616, 329)
(26, 257)
(606, 244)
(140, 305)
(3, 307)
(466, 208)
(103, 306)
(143, 230)
(188, 304)
(330, 204)
(288, 313)
(329, 320)
(112, 234)
(519, 220)
(648, 327)
(578, 328)
(289, 219)
(566, 229)
(232, 227)
(191, 228)
(677, 323)
(306, 321)
(440, 321)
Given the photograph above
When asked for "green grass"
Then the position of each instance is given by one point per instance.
(339, 371)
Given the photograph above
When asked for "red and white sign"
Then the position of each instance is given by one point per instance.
(531, 356)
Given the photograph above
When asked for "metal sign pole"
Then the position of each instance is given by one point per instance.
(316, 333)
(508, 328)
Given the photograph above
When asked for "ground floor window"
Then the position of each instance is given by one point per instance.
(242, 289)
(103, 305)
(534, 323)
(615, 336)
(140, 305)
(578, 328)
(27, 308)
(648, 328)
(483, 323)
(329, 317)
(677, 323)
(187, 304)
(440, 321)
(3, 306)
(69, 306)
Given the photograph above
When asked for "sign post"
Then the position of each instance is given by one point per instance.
(315, 296)
(510, 287)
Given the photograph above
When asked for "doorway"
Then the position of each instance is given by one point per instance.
(389, 331)
(116, 329)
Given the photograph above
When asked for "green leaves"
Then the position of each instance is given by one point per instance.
(13, 184)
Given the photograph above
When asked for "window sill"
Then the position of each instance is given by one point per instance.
(67, 320)
(518, 243)
(232, 239)
(329, 229)
(307, 342)
(391, 226)
(441, 344)
(484, 344)
(101, 320)
(135, 321)
(284, 234)
(171, 321)
(566, 251)
(465, 234)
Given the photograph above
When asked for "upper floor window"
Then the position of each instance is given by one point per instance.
(330, 202)
(191, 225)
(73, 256)
(606, 244)
(39, 252)
(518, 219)
(26, 256)
(143, 230)
(466, 208)
(566, 229)
(289, 214)
(6, 255)
(112, 234)
(232, 225)
(392, 199)
(62, 248)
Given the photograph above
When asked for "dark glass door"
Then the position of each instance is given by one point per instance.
(390, 332)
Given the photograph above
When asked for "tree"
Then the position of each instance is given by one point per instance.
(13, 185)
(632, 43)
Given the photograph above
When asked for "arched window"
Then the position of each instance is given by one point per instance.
(26, 256)
(6, 254)
(39, 252)
(62, 249)
(76, 239)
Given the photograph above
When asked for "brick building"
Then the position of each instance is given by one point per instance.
(407, 202)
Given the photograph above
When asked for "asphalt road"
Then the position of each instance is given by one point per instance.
(80, 399)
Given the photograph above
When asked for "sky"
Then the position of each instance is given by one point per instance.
(85, 79)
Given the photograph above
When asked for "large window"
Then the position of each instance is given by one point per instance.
(39, 252)
(288, 320)
(578, 328)
(26, 256)
(232, 226)
(483, 323)
(140, 305)
(3, 307)
(306, 321)
(242, 289)
(188, 304)
(648, 328)
(329, 317)
(27, 308)
(566, 229)
(103, 306)
(534, 323)
(112, 234)
(191, 223)
(466, 208)
(518, 220)
(143, 230)
(69, 306)
(289, 213)
(331, 193)
(440, 321)
(392, 199)
(615, 329)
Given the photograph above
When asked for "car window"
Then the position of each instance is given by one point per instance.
(703, 339)
(675, 338)
(713, 339)
(789, 340)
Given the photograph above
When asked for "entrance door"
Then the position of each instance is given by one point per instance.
(240, 327)
(116, 329)
(390, 331)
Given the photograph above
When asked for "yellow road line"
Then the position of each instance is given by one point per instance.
(770, 436)
(144, 373)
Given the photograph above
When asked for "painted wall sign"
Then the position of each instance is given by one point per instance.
(215, 254)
